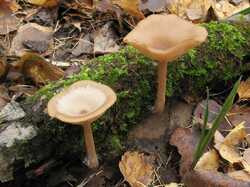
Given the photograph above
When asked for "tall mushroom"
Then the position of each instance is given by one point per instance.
(81, 104)
(164, 38)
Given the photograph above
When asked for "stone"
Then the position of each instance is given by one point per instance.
(10, 135)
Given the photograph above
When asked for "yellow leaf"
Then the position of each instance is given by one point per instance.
(208, 161)
(228, 149)
(136, 169)
(244, 89)
(130, 6)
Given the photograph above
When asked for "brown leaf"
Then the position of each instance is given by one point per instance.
(136, 169)
(8, 7)
(208, 161)
(39, 70)
(203, 178)
(105, 40)
(32, 36)
(185, 140)
(8, 21)
(244, 90)
(130, 6)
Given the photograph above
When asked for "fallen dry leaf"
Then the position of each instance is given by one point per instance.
(38, 69)
(8, 21)
(228, 149)
(33, 37)
(230, 153)
(44, 3)
(208, 161)
(236, 135)
(8, 6)
(240, 175)
(130, 6)
(218, 139)
(244, 90)
(193, 10)
(104, 40)
(84, 46)
(136, 169)
(224, 9)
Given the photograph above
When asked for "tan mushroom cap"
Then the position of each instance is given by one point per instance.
(83, 102)
(165, 37)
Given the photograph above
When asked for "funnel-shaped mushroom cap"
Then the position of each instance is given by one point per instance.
(84, 101)
(165, 37)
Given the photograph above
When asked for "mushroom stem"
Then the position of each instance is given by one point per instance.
(161, 88)
(90, 146)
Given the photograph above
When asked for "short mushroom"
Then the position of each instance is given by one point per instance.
(164, 38)
(81, 104)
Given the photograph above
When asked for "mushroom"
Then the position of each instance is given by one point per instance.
(81, 104)
(164, 38)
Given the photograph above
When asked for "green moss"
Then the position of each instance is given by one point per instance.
(218, 61)
(215, 64)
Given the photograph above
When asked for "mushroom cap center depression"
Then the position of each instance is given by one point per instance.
(81, 101)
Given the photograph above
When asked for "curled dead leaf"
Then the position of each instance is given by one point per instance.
(38, 69)
(208, 161)
(136, 169)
